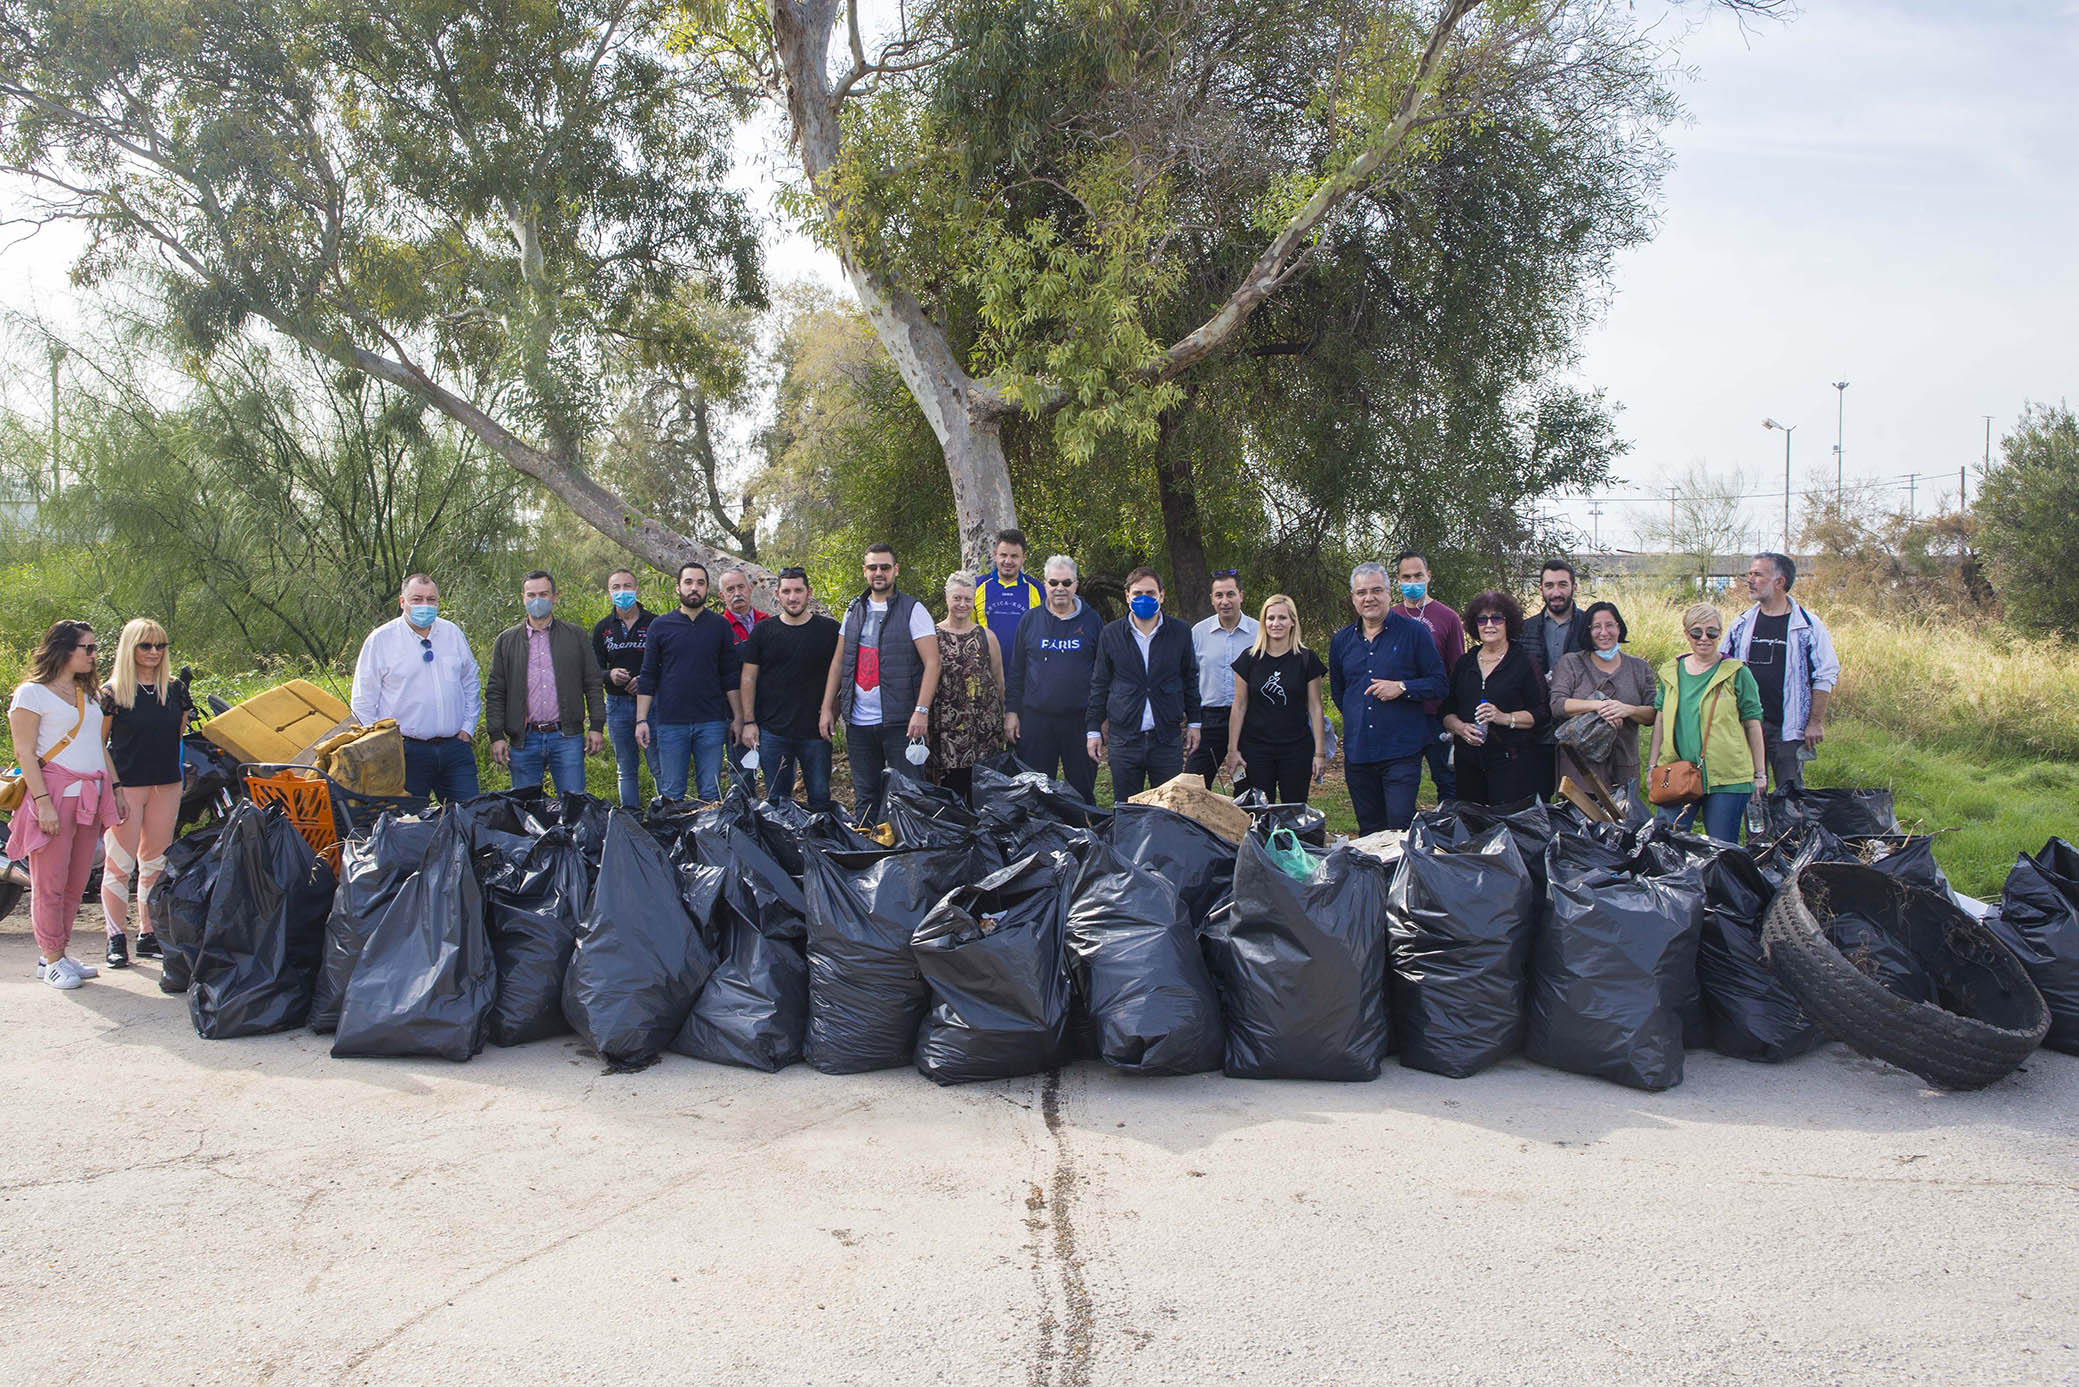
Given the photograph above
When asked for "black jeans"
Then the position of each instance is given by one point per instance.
(1281, 772)
(1784, 767)
(1212, 744)
(871, 751)
(1048, 740)
(1142, 759)
(1437, 754)
(1383, 792)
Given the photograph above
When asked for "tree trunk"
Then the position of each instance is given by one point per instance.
(1190, 582)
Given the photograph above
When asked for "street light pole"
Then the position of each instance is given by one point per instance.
(1840, 416)
(1772, 424)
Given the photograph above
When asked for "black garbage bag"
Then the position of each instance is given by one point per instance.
(1302, 967)
(754, 884)
(522, 813)
(1753, 1015)
(1307, 822)
(426, 978)
(1879, 953)
(264, 937)
(785, 828)
(1139, 975)
(1530, 822)
(640, 960)
(1909, 857)
(1460, 918)
(534, 900)
(1007, 794)
(588, 820)
(1844, 813)
(1198, 862)
(179, 902)
(866, 996)
(371, 872)
(754, 1010)
(1039, 835)
(1613, 962)
(2038, 921)
(1660, 850)
(925, 815)
(991, 955)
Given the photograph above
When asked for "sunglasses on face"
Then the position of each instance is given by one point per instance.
(879, 567)
(1061, 582)
(1490, 619)
(151, 645)
(1700, 633)
(89, 649)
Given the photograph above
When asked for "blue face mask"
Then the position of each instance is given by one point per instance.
(623, 600)
(1145, 605)
(539, 607)
(1612, 653)
(422, 614)
(1414, 592)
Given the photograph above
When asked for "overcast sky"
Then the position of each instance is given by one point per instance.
(1886, 194)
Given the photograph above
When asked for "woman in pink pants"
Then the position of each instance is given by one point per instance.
(72, 793)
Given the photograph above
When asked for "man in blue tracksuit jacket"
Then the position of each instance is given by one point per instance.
(1145, 686)
(1380, 669)
(1047, 681)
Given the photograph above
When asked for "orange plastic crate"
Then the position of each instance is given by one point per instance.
(305, 799)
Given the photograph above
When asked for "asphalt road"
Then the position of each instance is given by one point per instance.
(175, 1210)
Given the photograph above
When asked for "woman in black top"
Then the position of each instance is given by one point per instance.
(147, 712)
(1497, 706)
(1276, 740)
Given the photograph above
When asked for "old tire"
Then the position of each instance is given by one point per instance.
(1988, 1015)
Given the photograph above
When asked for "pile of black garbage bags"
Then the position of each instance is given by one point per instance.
(1026, 929)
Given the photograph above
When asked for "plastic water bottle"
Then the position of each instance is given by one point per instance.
(1757, 816)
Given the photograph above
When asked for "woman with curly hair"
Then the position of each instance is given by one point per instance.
(1497, 706)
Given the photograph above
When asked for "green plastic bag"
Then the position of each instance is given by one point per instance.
(1291, 856)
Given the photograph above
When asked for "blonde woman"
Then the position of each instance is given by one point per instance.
(71, 791)
(967, 715)
(1721, 735)
(1276, 736)
(146, 713)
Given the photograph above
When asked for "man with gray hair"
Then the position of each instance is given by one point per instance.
(1786, 647)
(1381, 667)
(1047, 681)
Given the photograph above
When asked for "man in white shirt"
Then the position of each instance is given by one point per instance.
(419, 670)
(1216, 641)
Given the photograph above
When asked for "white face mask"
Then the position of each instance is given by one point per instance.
(1612, 653)
(750, 759)
(918, 753)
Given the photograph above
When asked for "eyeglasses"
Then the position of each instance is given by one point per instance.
(1700, 633)
(151, 645)
(800, 573)
(426, 649)
(1490, 619)
(1061, 582)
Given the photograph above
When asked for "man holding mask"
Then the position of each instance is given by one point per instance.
(882, 683)
(786, 665)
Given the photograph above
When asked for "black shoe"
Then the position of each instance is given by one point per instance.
(148, 946)
(118, 951)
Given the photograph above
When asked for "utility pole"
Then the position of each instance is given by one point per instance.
(1961, 496)
(1772, 424)
(1840, 416)
(1912, 493)
(1595, 523)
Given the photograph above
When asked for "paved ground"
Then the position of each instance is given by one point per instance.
(174, 1210)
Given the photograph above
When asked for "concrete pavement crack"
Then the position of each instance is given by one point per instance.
(1070, 1364)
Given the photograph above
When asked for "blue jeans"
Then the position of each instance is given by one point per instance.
(1721, 809)
(560, 754)
(694, 745)
(778, 756)
(871, 750)
(620, 725)
(1383, 792)
(443, 766)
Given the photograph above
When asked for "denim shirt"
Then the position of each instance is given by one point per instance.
(1403, 650)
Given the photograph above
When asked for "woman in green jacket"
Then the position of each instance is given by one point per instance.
(1716, 724)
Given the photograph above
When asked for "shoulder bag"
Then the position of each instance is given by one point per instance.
(1673, 784)
(13, 788)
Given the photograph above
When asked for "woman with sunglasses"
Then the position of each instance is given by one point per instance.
(1496, 707)
(1721, 736)
(70, 790)
(146, 712)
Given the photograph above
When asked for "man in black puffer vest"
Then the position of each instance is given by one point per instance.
(882, 682)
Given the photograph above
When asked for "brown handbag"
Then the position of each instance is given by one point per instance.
(1673, 784)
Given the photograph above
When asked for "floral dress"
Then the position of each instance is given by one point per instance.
(967, 712)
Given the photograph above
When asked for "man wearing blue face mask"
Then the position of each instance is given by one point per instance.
(419, 670)
(545, 683)
(1145, 684)
(1411, 571)
(618, 641)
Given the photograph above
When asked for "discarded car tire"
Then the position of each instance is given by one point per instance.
(1986, 1016)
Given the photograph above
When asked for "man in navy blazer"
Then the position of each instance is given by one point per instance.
(1145, 684)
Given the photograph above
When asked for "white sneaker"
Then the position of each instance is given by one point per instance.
(85, 970)
(57, 975)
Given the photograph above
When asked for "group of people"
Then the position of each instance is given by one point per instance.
(1018, 662)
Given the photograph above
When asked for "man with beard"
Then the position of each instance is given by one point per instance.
(883, 680)
(743, 618)
(786, 666)
(687, 702)
(1559, 629)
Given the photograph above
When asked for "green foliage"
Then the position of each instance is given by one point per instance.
(2025, 507)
